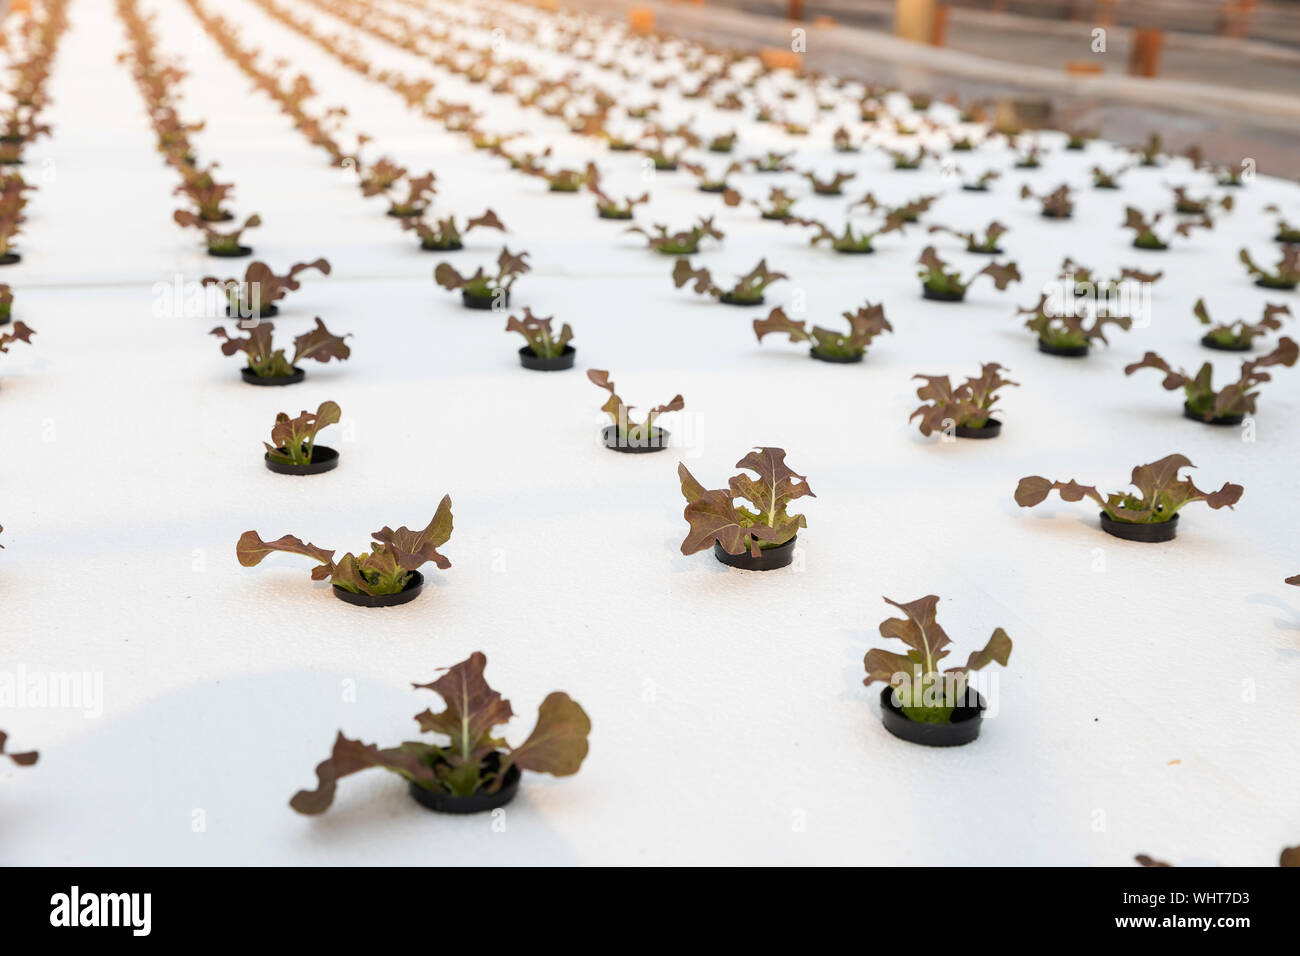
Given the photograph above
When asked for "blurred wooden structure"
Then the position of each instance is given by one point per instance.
(641, 20)
(914, 20)
(1144, 56)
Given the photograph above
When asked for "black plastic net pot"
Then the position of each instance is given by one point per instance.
(323, 459)
(1147, 532)
(769, 559)
(414, 585)
(961, 729)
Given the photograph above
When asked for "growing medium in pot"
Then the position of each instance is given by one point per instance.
(1150, 513)
(468, 767)
(923, 704)
(389, 570)
(747, 524)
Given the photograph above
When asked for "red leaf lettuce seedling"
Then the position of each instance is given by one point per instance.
(255, 296)
(480, 286)
(924, 694)
(444, 235)
(293, 439)
(716, 515)
(943, 282)
(628, 430)
(1239, 335)
(219, 243)
(1285, 275)
(1144, 230)
(969, 405)
(1235, 400)
(1056, 205)
(1069, 330)
(748, 289)
(1160, 493)
(986, 244)
(606, 206)
(850, 241)
(683, 243)
(537, 333)
(473, 760)
(1286, 233)
(864, 325)
(266, 361)
(385, 569)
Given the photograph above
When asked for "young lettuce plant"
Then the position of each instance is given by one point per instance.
(545, 351)
(1067, 332)
(683, 243)
(706, 182)
(380, 176)
(25, 759)
(851, 242)
(608, 207)
(772, 163)
(909, 212)
(384, 576)
(292, 449)
(965, 410)
(986, 244)
(255, 297)
(1187, 205)
(1286, 233)
(268, 365)
(443, 235)
(1238, 336)
(420, 191)
(826, 344)
(1230, 405)
(1144, 230)
(1055, 205)
(1285, 275)
(480, 290)
(747, 523)
(944, 284)
(908, 161)
(829, 187)
(223, 244)
(624, 434)
(981, 183)
(779, 208)
(1149, 515)
(920, 704)
(474, 769)
(1103, 179)
(748, 289)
